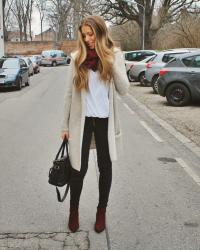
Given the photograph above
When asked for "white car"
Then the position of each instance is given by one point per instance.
(136, 56)
(54, 58)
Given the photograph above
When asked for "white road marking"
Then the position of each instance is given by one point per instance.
(129, 109)
(188, 170)
(151, 131)
(186, 141)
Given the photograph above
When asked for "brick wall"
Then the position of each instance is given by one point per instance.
(36, 47)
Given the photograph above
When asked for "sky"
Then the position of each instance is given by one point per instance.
(36, 22)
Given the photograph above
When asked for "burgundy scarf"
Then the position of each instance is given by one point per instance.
(91, 62)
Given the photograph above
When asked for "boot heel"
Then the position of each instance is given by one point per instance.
(100, 223)
(73, 223)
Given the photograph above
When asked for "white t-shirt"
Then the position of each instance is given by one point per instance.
(97, 100)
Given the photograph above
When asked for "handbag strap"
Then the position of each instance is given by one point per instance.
(65, 194)
(62, 147)
(66, 145)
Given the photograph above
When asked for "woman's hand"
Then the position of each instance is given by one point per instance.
(65, 134)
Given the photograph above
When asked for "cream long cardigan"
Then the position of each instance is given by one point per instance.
(75, 105)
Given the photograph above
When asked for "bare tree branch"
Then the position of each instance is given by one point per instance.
(121, 11)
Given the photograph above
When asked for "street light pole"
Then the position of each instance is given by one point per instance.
(143, 23)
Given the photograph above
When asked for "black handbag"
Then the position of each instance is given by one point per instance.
(60, 172)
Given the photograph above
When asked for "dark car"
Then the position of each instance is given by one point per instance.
(13, 73)
(159, 62)
(179, 81)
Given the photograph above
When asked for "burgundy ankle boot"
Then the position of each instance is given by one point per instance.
(73, 223)
(100, 223)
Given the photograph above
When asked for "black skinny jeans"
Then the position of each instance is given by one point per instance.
(100, 128)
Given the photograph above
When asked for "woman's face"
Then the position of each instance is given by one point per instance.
(88, 36)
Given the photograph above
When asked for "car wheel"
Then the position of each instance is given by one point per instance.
(142, 78)
(68, 61)
(178, 95)
(155, 84)
(28, 82)
(130, 77)
(19, 84)
(54, 64)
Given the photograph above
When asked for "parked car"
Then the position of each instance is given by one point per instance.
(13, 73)
(38, 59)
(179, 80)
(137, 71)
(36, 67)
(54, 58)
(158, 62)
(29, 65)
(136, 56)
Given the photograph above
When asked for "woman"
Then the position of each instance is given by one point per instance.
(96, 71)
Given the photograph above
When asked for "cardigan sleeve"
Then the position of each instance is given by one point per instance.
(68, 96)
(119, 73)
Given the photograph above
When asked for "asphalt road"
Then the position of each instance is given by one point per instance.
(155, 199)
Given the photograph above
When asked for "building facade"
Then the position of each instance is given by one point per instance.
(1, 30)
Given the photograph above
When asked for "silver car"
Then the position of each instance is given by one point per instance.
(158, 62)
(29, 65)
(137, 71)
(136, 56)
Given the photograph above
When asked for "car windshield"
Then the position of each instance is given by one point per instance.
(10, 64)
(131, 56)
(149, 59)
(167, 57)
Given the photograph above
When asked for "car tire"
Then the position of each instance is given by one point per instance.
(130, 78)
(19, 84)
(28, 82)
(68, 61)
(154, 84)
(54, 64)
(178, 95)
(142, 78)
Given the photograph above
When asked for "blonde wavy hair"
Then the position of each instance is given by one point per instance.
(104, 47)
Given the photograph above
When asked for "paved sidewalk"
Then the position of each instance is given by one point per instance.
(45, 241)
(36, 238)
